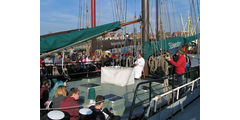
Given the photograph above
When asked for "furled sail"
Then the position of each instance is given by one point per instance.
(61, 41)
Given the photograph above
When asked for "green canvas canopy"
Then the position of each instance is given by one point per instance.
(170, 44)
(61, 41)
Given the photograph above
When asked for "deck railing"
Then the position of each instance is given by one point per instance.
(192, 74)
(157, 98)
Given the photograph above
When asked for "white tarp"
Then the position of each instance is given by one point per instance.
(116, 75)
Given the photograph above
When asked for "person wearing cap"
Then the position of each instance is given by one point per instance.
(179, 65)
(71, 101)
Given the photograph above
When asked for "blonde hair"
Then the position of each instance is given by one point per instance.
(61, 90)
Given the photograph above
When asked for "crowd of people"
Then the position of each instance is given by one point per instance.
(55, 95)
(67, 102)
(79, 61)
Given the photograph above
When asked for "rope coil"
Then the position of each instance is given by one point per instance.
(130, 61)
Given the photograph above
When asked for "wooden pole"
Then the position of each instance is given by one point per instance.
(93, 24)
(145, 30)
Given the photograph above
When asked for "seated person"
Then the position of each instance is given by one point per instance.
(44, 93)
(99, 114)
(59, 96)
(54, 89)
(97, 108)
(71, 101)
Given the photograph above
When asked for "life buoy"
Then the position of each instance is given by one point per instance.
(130, 61)
(98, 52)
(55, 71)
(153, 64)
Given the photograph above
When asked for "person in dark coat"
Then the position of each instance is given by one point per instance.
(71, 101)
(98, 112)
(97, 108)
(44, 94)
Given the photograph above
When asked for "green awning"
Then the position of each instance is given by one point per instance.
(170, 44)
(192, 38)
(62, 41)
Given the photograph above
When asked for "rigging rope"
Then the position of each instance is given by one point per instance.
(79, 15)
(83, 14)
(99, 15)
(113, 12)
(64, 69)
(98, 52)
(130, 61)
(169, 19)
(173, 8)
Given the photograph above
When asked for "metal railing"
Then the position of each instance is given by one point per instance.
(157, 98)
(187, 74)
(150, 90)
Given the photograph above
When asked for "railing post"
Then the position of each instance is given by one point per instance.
(192, 86)
(150, 91)
(178, 93)
(173, 79)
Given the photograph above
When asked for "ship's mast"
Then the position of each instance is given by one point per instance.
(93, 13)
(93, 23)
(145, 29)
(145, 20)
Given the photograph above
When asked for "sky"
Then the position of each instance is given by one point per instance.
(62, 15)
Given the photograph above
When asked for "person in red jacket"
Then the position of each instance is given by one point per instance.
(70, 101)
(180, 65)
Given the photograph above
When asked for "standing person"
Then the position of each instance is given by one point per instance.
(180, 65)
(188, 63)
(59, 96)
(48, 64)
(58, 63)
(74, 56)
(66, 59)
(71, 51)
(139, 65)
(71, 101)
(104, 60)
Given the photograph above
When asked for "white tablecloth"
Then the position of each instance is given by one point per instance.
(116, 75)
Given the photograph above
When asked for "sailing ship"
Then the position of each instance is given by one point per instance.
(156, 96)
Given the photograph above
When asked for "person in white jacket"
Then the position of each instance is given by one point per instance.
(139, 65)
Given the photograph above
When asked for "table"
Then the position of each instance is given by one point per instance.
(117, 75)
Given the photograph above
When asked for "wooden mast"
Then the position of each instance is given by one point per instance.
(93, 13)
(145, 20)
(145, 30)
(93, 24)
